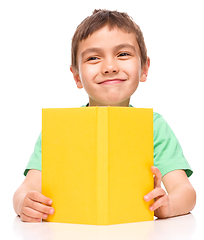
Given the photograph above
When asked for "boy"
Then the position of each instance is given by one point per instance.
(109, 59)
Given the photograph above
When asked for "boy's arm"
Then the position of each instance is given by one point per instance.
(28, 202)
(181, 197)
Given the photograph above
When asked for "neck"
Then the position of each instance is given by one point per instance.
(93, 103)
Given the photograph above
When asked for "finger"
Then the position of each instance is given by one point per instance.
(156, 193)
(39, 207)
(158, 176)
(31, 213)
(163, 201)
(25, 218)
(38, 197)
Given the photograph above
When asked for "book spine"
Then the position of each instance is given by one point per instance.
(102, 166)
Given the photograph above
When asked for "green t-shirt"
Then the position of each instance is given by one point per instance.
(168, 154)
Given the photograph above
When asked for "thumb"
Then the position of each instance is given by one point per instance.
(157, 176)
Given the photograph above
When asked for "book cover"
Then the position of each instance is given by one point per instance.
(96, 164)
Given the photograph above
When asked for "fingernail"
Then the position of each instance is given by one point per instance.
(50, 202)
(45, 216)
(151, 208)
(51, 211)
(146, 198)
(39, 220)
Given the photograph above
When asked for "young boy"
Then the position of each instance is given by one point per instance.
(109, 59)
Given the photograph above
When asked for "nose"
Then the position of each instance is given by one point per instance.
(110, 67)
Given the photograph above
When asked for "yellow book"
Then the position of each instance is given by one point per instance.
(96, 164)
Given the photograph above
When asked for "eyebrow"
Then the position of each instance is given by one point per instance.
(116, 48)
(91, 50)
(125, 45)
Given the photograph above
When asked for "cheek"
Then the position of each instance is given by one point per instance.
(132, 68)
(89, 73)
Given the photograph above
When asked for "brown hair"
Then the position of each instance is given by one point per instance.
(113, 19)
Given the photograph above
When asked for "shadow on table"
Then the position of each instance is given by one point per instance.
(158, 229)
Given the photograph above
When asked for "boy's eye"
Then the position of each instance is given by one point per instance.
(92, 59)
(124, 54)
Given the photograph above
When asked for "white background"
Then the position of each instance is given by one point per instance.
(35, 43)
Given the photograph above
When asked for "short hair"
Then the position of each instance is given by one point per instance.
(101, 18)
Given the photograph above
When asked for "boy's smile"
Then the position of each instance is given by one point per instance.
(109, 67)
(112, 81)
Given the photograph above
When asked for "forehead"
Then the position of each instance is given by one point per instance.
(106, 39)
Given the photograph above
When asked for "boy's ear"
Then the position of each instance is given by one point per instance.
(76, 77)
(145, 70)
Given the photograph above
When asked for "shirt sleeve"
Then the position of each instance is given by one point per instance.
(35, 159)
(168, 154)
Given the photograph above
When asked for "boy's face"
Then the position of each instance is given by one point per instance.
(109, 67)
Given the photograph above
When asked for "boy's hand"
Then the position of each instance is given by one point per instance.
(161, 205)
(35, 207)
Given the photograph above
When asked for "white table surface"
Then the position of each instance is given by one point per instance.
(183, 227)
